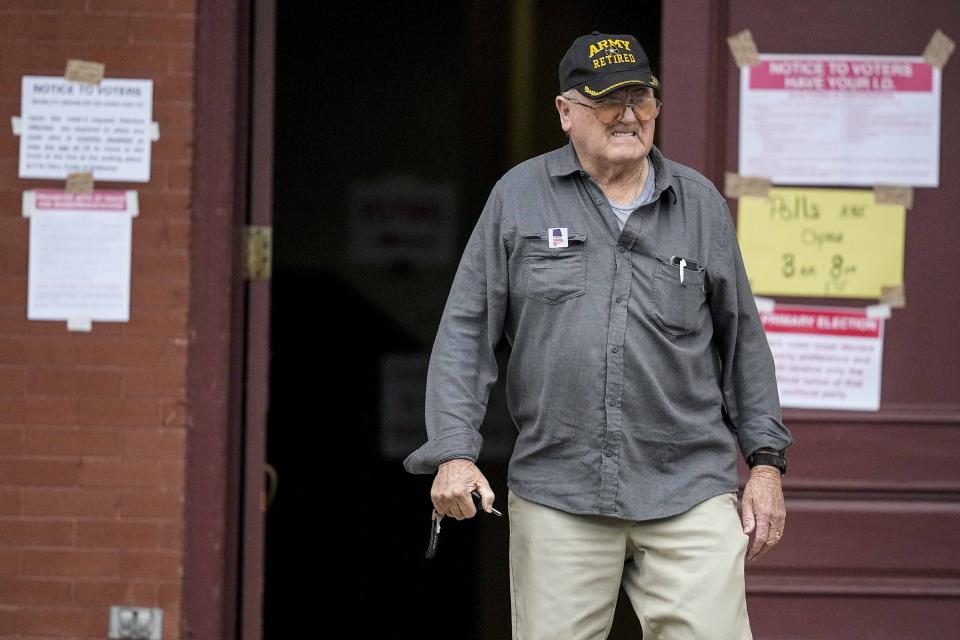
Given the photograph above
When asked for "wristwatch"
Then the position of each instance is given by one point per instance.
(765, 457)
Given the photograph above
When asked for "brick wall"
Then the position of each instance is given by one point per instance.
(92, 424)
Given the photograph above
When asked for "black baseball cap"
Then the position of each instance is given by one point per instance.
(598, 63)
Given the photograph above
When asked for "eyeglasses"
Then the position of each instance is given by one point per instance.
(610, 111)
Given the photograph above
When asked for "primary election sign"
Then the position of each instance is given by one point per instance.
(821, 242)
(826, 357)
(840, 120)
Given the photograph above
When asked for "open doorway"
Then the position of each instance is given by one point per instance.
(397, 113)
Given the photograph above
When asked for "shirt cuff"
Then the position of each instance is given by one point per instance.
(464, 443)
(762, 432)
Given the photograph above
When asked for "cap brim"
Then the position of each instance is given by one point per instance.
(614, 81)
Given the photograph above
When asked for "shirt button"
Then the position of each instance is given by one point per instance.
(621, 248)
(608, 453)
(599, 201)
(615, 349)
(612, 403)
(619, 298)
(583, 173)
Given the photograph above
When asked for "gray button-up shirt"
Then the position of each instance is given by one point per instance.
(632, 383)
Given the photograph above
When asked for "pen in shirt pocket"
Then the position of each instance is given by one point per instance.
(685, 263)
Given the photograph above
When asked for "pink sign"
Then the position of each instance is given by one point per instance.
(60, 200)
(816, 321)
(818, 74)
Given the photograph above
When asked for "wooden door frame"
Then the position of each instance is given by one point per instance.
(228, 323)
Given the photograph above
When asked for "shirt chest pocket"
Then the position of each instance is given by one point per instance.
(554, 274)
(676, 304)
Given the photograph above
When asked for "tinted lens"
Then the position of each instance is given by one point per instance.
(609, 112)
(646, 109)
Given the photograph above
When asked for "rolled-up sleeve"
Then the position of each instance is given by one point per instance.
(749, 381)
(463, 367)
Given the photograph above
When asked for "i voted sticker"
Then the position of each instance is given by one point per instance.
(557, 236)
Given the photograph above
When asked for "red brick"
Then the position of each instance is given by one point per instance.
(38, 58)
(12, 380)
(172, 475)
(152, 235)
(75, 502)
(168, 596)
(52, 350)
(182, 59)
(11, 440)
(148, 292)
(75, 6)
(59, 27)
(118, 473)
(156, 321)
(171, 536)
(9, 504)
(16, 26)
(178, 86)
(171, 621)
(11, 200)
(174, 145)
(183, 6)
(174, 414)
(121, 61)
(118, 412)
(162, 443)
(170, 266)
(73, 381)
(117, 535)
(160, 383)
(13, 350)
(94, 564)
(51, 410)
(13, 260)
(14, 232)
(126, 6)
(20, 590)
(36, 533)
(180, 175)
(150, 504)
(13, 291)
(178, 29)
(9, 562)
(173, 115)
(12, 411)
(38, 472)
(74, 441)
(168, 204)
(72, 622)
(110, 592)
(59, 328)
(156, 565)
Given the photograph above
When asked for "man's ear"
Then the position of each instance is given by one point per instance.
(563, 109)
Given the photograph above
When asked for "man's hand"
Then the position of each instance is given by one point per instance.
(764, 512)
(452, 486)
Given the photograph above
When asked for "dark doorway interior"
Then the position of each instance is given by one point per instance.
(367, 95)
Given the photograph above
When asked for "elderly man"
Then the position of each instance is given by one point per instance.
(638, 368)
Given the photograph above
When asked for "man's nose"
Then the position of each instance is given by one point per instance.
(628, 115)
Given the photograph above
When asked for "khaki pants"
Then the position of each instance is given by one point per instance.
(683, 574)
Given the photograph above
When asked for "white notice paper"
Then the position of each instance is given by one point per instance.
(79, 265)
(72, 127)
(826, 357)
(840, 120)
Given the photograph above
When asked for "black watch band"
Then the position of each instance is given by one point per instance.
(773, 459)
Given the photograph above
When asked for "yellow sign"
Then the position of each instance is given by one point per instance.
(821, 243)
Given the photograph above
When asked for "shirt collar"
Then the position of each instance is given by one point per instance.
(566, 163)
